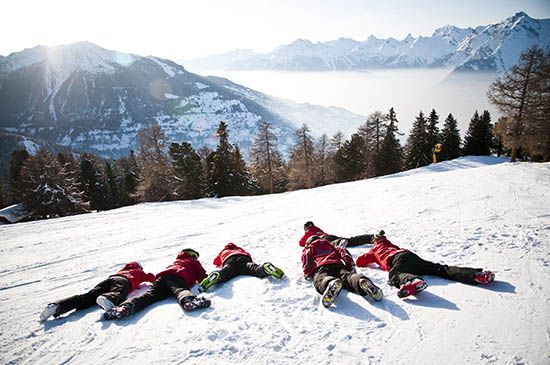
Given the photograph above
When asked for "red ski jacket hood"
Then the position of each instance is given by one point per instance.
(320, 253)
(380, 254)
(310, 232)
(135, 274)
(186, 267)
(229, 250)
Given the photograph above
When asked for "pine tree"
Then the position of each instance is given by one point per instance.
(432, 129)
(18, 158)
(128, 175)
(479, 138)
(155, 169)
(267, 165)
(227, 173)
(373, 133)
(350, 159)
(113, 194)
(301, 160)
(450, 140)
(417, 149)
(323, 160)
(91, 181)
(49, 189)
(390, 155)
(186, 170)
(523, 96)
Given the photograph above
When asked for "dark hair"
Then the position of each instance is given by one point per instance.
(308, 224)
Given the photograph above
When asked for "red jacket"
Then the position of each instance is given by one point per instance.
(311, 231)
(186, 267)
(382, 251)
(320, 253)
(135, 274)
(229, 250)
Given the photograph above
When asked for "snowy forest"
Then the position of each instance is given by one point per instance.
(160, 170)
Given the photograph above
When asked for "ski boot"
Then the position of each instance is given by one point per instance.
(119, 312)
(192, 302)
(368, 287)
(51, 309)
(331, 292)
(209, 281)
(484, 277)
(412, 287)
(105, 303)
(274, 271)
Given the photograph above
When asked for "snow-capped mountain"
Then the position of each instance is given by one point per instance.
(488, 48)
(92, 99)
(474, 212)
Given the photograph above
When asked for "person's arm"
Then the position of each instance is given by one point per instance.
(150, 277)
(307, 263)
(366, 259)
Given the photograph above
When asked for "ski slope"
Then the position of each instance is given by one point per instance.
(475, 211)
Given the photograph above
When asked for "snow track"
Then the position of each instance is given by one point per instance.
(477, 212)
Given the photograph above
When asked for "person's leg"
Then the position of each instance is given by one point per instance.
(158, 291)
(363, 239)
(119, 290)
(234, 266)
(323, 276)
(186, 299)
(455, 273)
(83, 301)
(404, 268)
(359, 284)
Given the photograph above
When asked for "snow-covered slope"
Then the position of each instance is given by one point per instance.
(495, 47)
(470, 211)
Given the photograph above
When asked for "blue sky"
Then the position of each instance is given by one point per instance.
(192, 28)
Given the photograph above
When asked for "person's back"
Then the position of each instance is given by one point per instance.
(380, 254)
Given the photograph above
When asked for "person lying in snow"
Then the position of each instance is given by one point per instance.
(404, 267)
(311, 230)
(175, 281)
(235, 261)
(331, 269)
(108, 293)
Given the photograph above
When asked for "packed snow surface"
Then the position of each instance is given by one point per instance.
(475, 211)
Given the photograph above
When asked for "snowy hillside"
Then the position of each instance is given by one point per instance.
(492, 47)
(472, 211)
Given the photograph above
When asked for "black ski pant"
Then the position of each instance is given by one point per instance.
(164, 287)
(115, 288)
(240, 265)
(352, 241)
(323, 275)
(407, 265)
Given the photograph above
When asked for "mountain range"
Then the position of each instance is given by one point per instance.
(493, 48)
(88, 98)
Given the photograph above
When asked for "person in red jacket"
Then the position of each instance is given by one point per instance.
(235, 261)
(331, 269)
(404, 267)
(311, 230)
(176, 280)
(106, 294)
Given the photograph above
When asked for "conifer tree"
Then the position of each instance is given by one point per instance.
(432, 129)
(417, 149)
(155, 169)
(323, 162)
(186, 171)
(92, 181)
(350, 159)
(113, 195)
(128, 173)
(479, 138)
(390, 155)
(301, 160)
(49, 189)
(267, 165)
(18, 158)
(227, 173)
(450, 139)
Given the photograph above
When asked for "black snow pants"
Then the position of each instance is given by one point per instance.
(323, 275)
(407, 265)
(352, 241)
(164, 287)
(115, 288)
(240, 265)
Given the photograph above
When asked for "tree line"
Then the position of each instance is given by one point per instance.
(53, 186)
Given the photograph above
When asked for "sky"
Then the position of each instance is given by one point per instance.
(183, 29)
